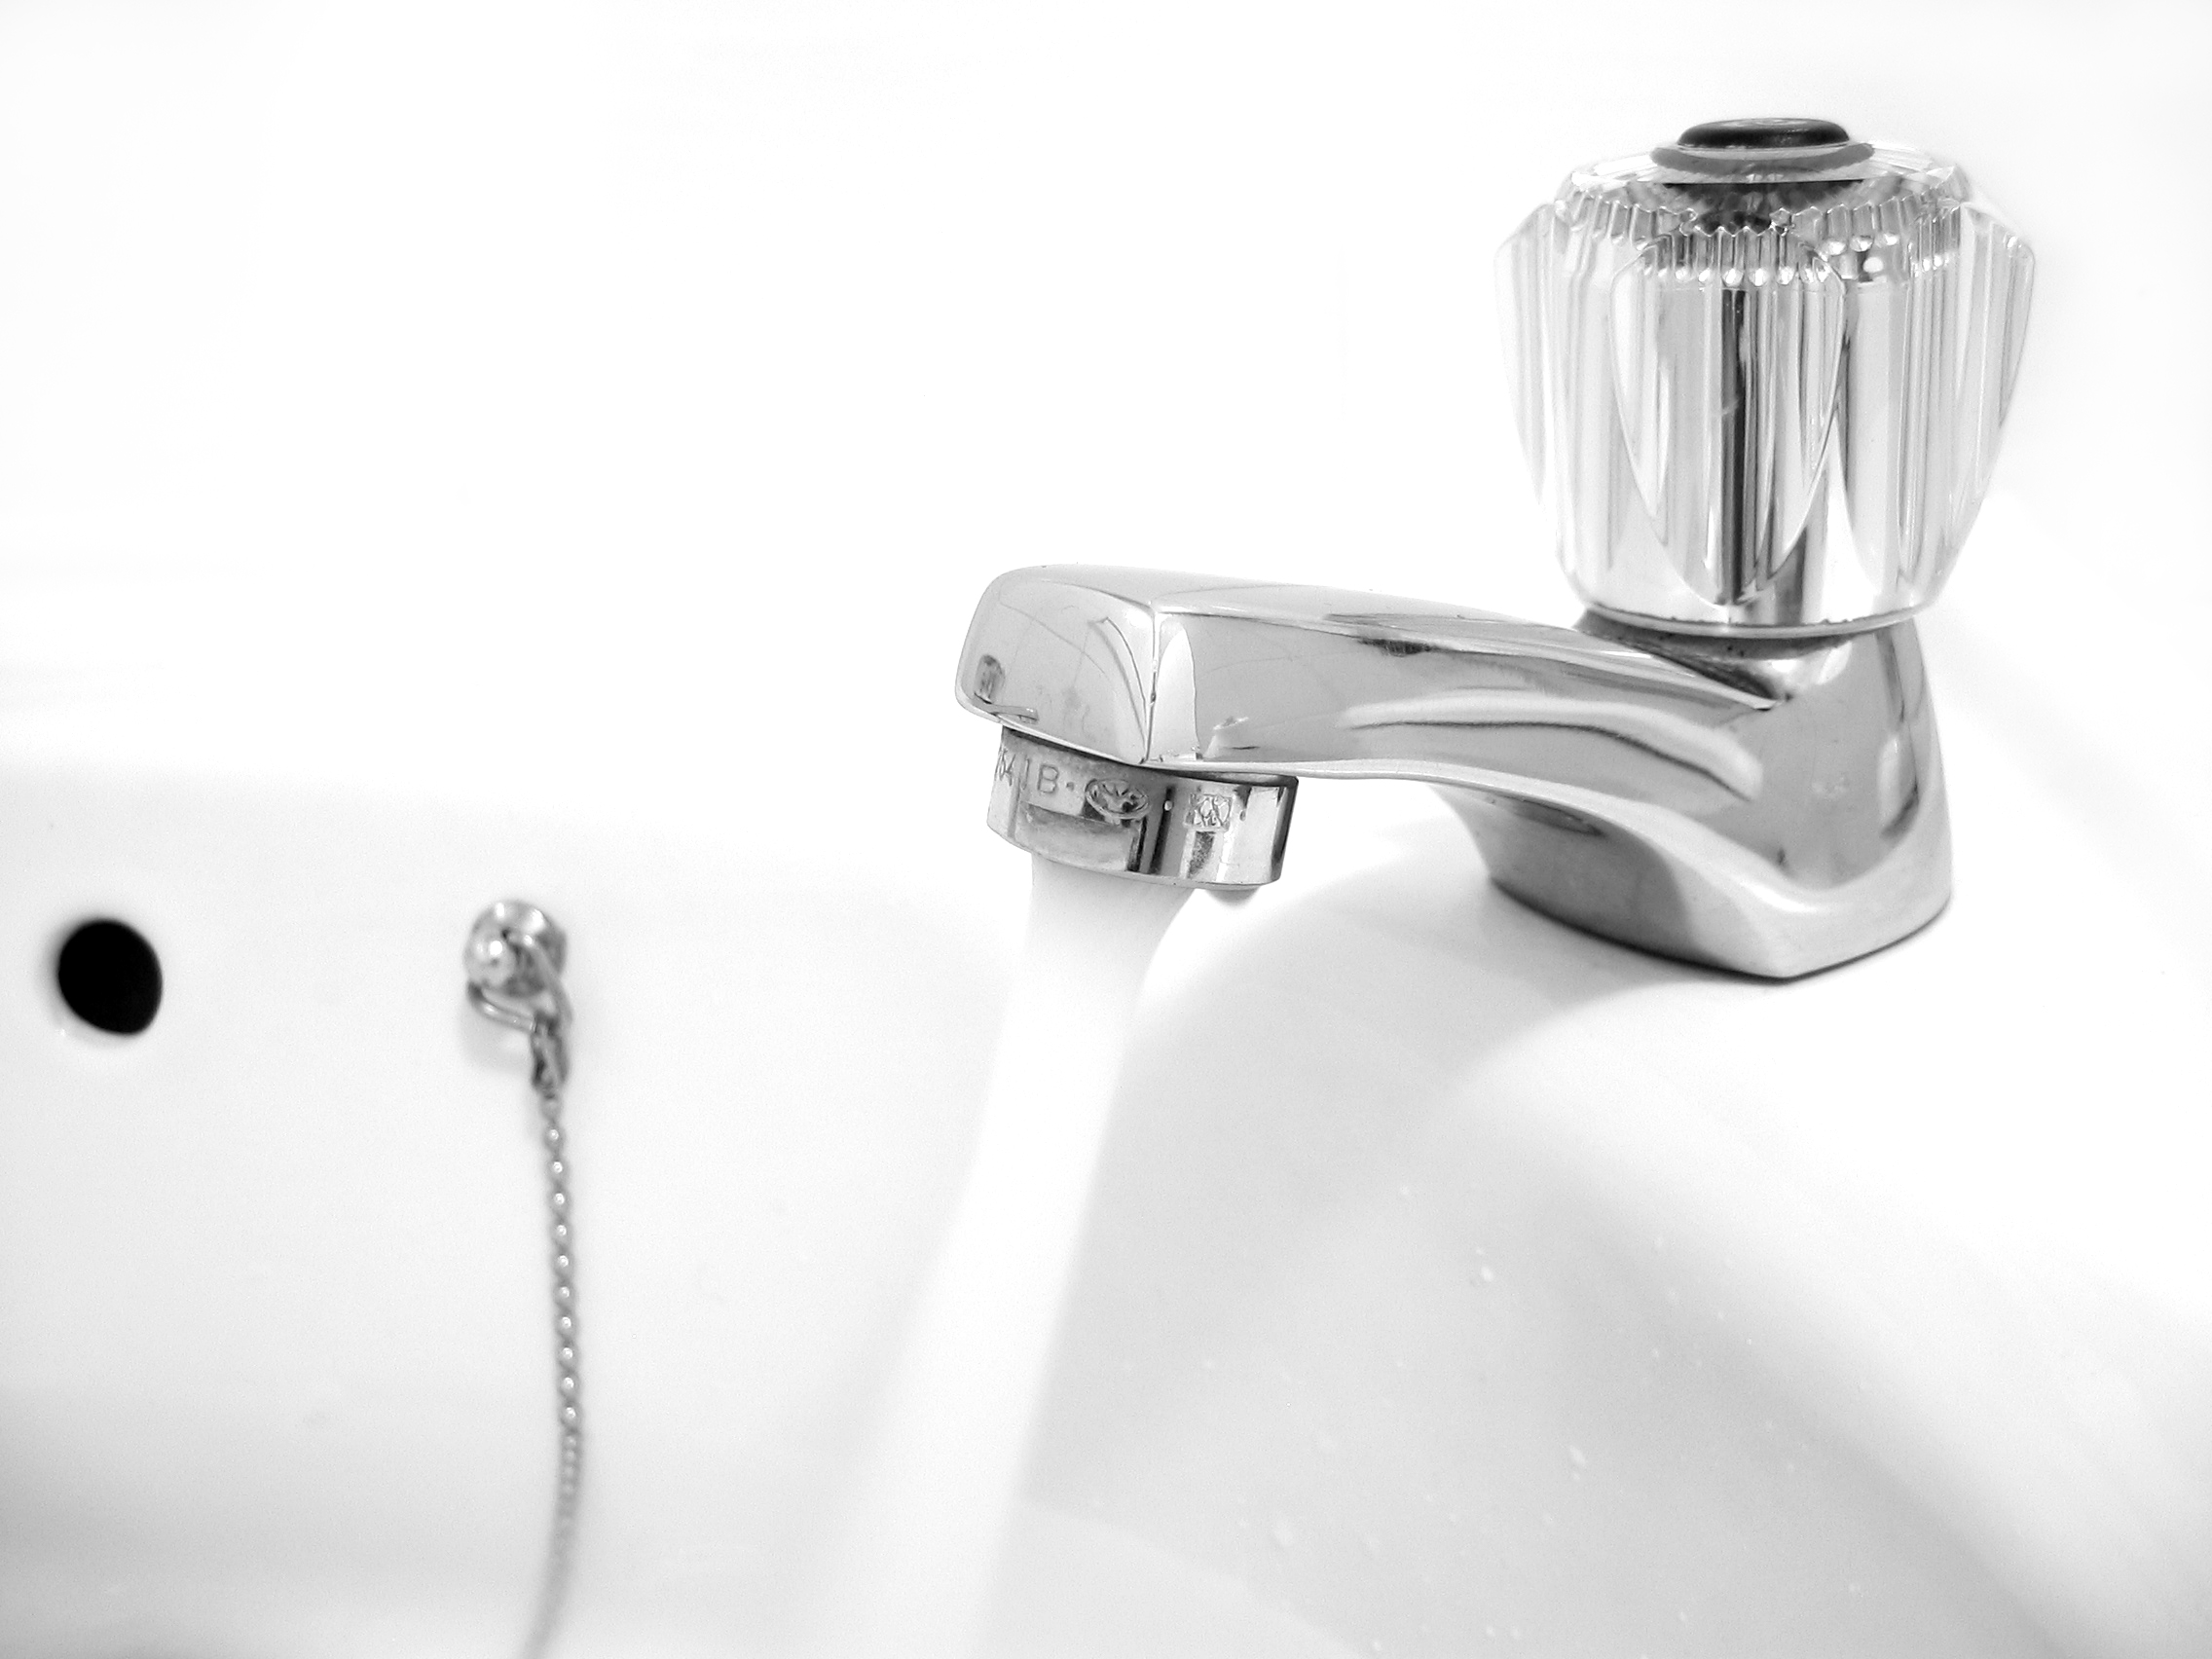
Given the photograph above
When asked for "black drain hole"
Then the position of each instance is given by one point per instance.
(110, 978)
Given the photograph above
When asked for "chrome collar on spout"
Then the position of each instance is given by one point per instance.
(1732, 760)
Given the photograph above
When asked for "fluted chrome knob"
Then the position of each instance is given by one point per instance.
(1760, 374)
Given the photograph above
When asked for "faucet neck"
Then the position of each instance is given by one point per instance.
(1770, 804)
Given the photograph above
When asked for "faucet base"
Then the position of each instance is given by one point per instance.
(1846, 847)
(1603, 879)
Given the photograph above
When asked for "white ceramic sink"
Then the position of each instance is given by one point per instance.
(1453, 1278)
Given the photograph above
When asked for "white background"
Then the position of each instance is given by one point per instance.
(638, 396)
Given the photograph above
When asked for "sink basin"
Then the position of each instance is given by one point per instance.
(1451, 1277)
(1586, 1298)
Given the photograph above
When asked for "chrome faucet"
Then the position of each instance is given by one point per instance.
(1760, 374)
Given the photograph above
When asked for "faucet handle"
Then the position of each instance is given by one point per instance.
(1761, 372)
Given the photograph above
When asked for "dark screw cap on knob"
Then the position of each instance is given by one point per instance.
(1763, 132)
(1762, 146)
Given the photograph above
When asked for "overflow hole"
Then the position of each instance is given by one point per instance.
(110, 978)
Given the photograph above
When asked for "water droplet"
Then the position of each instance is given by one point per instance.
(1489, 1274)
(1574, 1456)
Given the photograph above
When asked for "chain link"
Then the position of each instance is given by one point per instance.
(547, 1069)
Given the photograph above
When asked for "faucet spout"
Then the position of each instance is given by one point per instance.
(1771, 806)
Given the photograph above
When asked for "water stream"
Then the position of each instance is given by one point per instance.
(961, 1404)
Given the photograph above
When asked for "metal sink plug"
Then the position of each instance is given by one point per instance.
(1760, 374)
